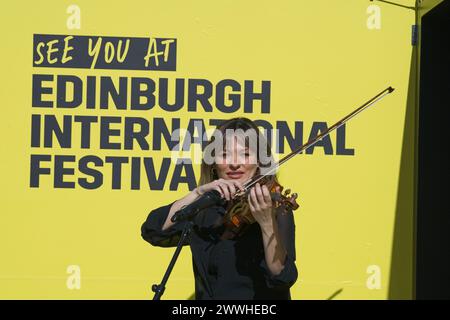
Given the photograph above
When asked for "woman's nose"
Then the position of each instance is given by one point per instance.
(234, 166)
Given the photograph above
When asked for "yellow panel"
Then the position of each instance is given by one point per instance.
(322, 60)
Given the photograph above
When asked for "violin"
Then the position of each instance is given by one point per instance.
(238, 216)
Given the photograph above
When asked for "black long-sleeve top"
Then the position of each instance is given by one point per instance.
(228, 268)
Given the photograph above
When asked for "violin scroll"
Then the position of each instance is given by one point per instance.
(285, 200)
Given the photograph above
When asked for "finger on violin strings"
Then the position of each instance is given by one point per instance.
(266, 194)
(254, 199)
(250, 203)
(259, 193)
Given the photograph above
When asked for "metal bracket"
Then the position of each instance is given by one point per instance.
(415, 26)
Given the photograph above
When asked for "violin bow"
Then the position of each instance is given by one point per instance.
(247, 185)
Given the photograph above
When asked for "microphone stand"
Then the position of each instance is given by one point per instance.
(185, 214)
(159, 288)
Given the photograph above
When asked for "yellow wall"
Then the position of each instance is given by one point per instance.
(322, 60)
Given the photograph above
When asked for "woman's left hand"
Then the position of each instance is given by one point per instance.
(261, 207)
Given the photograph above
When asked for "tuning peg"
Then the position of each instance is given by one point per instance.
(287, 192)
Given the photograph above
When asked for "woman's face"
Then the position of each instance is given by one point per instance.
(236, 162)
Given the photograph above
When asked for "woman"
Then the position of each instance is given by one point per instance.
(256, 265)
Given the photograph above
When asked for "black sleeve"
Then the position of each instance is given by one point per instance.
(287, 277)
(152, 232)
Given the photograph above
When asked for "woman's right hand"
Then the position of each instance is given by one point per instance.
(227, 188)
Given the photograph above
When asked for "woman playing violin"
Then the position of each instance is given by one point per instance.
(257, 264)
